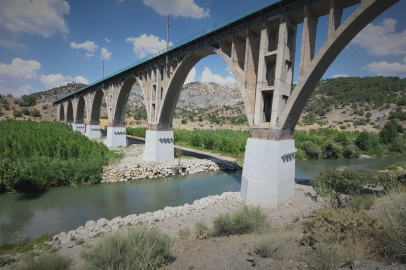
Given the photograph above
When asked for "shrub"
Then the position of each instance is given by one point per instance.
(398, 126)
(104, 116)
(17, 113)
(6, 260)
(46, 262)
(202, 230)
(333, 185)
(245, 220)
(398, 145)
(389, 133)
(360, 202)
(324, 258)
(35, 113)
(300, 155)
(25, 111)
(311, 149)
(139, 248)
(351, 151)
(332, 149)
(45, 106)
(334, 225)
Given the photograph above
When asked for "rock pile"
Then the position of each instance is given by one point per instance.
(133, 171)
(93, 228)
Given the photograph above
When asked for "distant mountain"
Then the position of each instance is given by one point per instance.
(55, 93)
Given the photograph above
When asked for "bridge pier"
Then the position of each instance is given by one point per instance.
(158, 146)
(79, 127)
(268, 175)
(93, 131)
(116, 136)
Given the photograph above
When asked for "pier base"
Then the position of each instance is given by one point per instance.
(268, 175)
(158, 146)
(116, 136)
(93, 131)
(79, 127)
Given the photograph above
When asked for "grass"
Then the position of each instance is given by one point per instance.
(45, 262)
(21, 243)
(6, 260)
(139, 248)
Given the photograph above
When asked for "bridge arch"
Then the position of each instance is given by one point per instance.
(61, 113)
(80, 111)
(167, 110)
(94, 117)
(69, 112)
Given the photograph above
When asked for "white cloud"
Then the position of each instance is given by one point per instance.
(89, 46)
(20, 69)
(105, 54)
(387, 69)
(42, 17)
(191, 77)
(88, 55)
(208, 76)
(182, 8)
(13, 77)
(106, 39)
(55, 80)
(381, 40)
(340, 75)
(144, 44)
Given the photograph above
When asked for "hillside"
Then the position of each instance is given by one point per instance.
(342, 103)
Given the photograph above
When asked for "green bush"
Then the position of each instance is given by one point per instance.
(389, 133)
(46, 262)
(139, 248)
(17, 113)
(35, 113)
(245, 220)
(25, 111)
(398, 145)
(311, 149)
(351, 151)
(398, 126)
(360, 202)
(6, 260)
(45, 106)
(332, 149)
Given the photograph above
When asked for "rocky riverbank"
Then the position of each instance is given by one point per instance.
(93, 228)
(131, 171)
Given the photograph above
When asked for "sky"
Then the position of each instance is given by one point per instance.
(48, 43)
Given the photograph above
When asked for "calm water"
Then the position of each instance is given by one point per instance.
(66, 208)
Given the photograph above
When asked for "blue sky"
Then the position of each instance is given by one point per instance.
(47, 43)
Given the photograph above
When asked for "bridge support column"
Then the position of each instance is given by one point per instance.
(79, 127)
(268, 175)
(116, 136)
(158, 146)
(93, 131)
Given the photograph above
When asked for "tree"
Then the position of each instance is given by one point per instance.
(35, 113)
(311, 149)
(17, 113)
(30, 100)
(389, 133)
(363, 141)
(25, 111)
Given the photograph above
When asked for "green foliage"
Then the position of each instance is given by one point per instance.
(311, 149)
(360, 202)
(139, 132)
(389, 133)
(45, 106)
(397, 125)
(25, 111)
(245, 220)
(203, 231)
(398, 114)
(46, 262)
(351, 151)
(6, 260)
(34, 156)
(139, 248)
(333, 225)
(35, 113)
(17, 113)
(332, 150)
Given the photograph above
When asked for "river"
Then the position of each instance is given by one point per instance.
(67, 208)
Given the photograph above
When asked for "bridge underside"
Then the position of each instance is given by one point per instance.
(260, 52)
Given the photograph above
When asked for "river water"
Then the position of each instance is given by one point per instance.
(67, 208)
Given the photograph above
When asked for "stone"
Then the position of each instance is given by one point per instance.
(102, 222)
(65, 241)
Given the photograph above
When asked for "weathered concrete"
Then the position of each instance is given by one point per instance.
(93, 131)
(158, 146)
(268, 175)
(79, 127)
(116, 136)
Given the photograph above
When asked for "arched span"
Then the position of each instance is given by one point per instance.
(121, 106)
(80, 111)
(364, 14)
(61, 113)
(69, 113)
(94, 117)
(166, 113)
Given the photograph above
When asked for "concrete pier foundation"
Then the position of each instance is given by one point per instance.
(93, 131)
(116, 136)
(158, 146)
(268, 175)
(79, 127)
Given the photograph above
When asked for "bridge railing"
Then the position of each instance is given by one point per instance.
(202, 33)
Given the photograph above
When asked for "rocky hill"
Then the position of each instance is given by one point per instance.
(342, 103)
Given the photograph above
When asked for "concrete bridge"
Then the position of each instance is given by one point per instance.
(258, 46)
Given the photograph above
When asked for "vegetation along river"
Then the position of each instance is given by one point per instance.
(66, 208)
